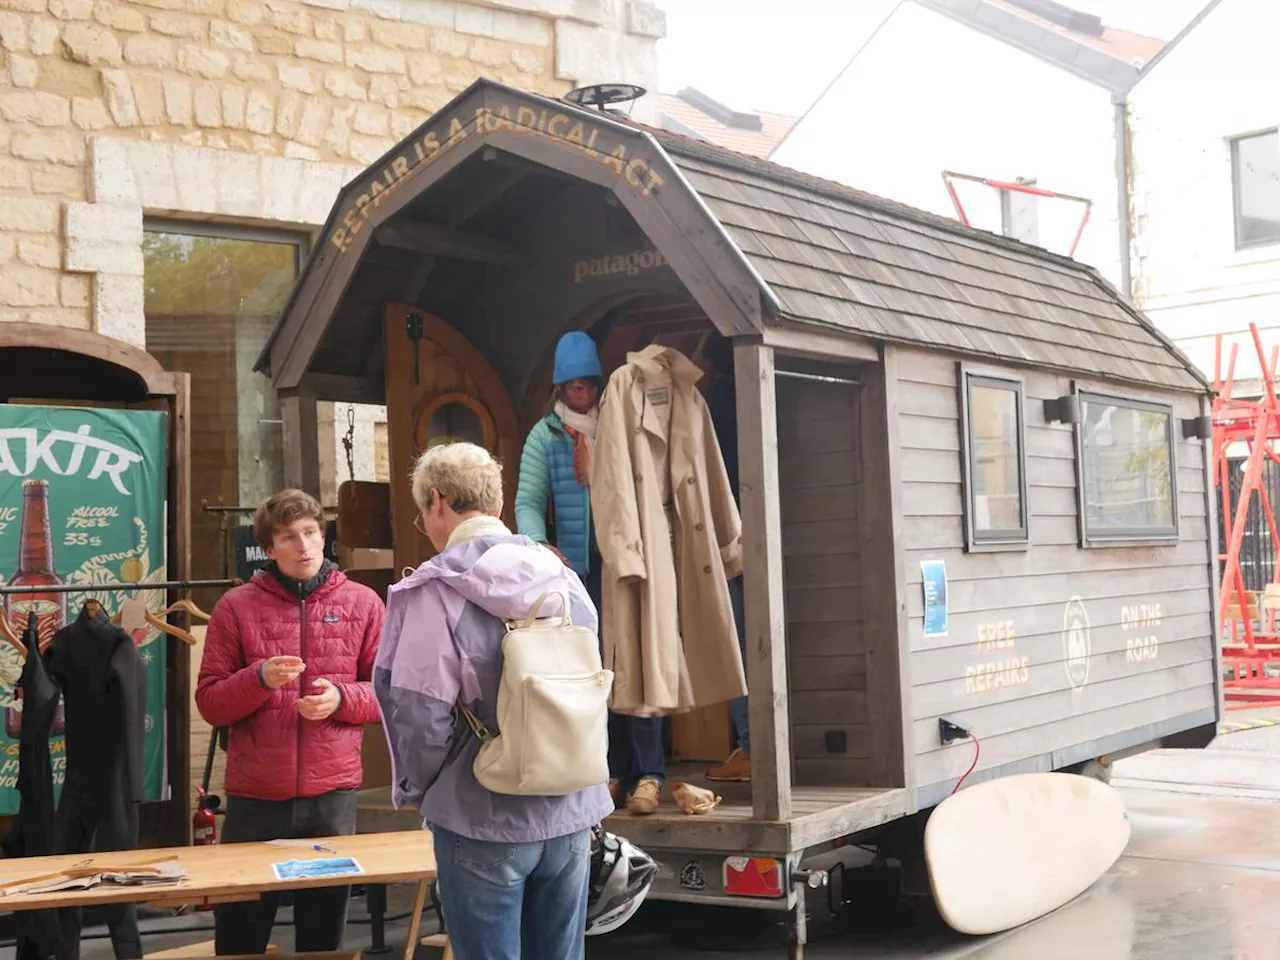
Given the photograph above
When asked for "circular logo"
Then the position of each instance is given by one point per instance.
(131, 570)
(1075, 643)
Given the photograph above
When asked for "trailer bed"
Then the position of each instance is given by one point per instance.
(819, 815)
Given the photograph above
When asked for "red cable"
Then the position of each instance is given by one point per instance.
(977, 752)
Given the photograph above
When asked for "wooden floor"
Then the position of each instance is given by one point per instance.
(818, 815)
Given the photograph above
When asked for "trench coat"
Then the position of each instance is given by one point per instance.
(667, 622)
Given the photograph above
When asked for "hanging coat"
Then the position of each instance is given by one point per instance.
(670, 537)
(39, 935)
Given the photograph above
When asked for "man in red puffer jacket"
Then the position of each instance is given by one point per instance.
(288, 659)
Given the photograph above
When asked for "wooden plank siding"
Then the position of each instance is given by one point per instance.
(820, 477)
(1002, 668)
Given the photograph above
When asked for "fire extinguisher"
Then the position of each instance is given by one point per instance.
(204, 825)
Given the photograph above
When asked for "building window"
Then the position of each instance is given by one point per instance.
(995, 461)
(212, 296)
(1255, 175)
(1127, 469)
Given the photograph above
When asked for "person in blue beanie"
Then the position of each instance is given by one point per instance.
(555, 469)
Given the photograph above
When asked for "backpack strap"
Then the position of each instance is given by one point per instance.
(475, 723)
(566, 613)
(566, 619)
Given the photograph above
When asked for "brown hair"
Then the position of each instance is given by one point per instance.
(280, 510)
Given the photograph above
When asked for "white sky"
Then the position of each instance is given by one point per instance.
(778, 55)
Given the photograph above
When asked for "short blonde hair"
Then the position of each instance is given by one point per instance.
(468, 476)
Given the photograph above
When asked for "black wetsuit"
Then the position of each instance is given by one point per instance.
(104, 683)
(39, 934)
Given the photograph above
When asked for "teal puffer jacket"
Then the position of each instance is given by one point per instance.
(546, 471)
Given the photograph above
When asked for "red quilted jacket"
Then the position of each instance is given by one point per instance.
(272, 752)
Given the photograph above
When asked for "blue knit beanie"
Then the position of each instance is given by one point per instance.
(575, 357)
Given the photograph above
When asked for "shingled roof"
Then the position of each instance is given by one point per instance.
(834, 255)
(761, 240)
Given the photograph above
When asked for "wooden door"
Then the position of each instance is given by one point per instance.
(451, 393)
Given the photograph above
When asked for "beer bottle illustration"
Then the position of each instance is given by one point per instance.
(36, 570)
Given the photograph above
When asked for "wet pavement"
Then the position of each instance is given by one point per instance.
(1199, 880)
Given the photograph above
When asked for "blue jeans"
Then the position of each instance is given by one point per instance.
(514, 901)
(738, 707)
(635, 743)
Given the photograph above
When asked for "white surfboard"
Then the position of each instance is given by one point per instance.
(1006, 851)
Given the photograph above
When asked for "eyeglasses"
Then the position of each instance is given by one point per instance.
(419, 525)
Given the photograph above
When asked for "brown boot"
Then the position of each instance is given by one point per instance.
(736, 769)
(645, 797)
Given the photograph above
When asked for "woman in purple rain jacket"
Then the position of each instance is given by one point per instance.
(513, 870)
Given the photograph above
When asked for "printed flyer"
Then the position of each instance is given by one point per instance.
(82, 501)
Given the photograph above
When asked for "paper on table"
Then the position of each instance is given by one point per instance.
(160, 874)
(301, 869)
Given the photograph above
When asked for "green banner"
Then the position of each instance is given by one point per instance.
(82, 501)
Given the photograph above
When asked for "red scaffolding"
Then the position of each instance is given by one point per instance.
(1253, 424)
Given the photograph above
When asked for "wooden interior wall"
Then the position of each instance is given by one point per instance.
(1016, 689)
(820, 476)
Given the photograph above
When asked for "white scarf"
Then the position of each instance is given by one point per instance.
(582, 422)
(474, 527)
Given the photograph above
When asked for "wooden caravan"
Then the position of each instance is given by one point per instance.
(971, 484)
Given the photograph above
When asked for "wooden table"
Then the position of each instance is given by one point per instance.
(227, 872)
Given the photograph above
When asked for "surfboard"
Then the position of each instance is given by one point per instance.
(1006, 851)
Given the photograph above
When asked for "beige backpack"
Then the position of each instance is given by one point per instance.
(553, 710)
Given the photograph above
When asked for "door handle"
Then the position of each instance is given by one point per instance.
(413, 327)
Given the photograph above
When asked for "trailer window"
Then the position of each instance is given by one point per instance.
(1127, 469)
(995, 461)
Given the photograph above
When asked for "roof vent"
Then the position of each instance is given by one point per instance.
(718, 111)
(602, 95)
(1076, 21)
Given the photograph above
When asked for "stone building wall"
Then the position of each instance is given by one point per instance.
(251, 111)
(250, 114)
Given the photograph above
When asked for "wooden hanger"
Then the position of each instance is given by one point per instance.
(15, 641)
(162, 625)
(165, 627)
(188, 606)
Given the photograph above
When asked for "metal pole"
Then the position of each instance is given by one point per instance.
(117, 587)
(1122, 194)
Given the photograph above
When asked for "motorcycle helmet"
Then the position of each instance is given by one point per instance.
(621, 875)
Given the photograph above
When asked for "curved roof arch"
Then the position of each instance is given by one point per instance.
(591, 146)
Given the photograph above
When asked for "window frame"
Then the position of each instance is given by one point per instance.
(1233, 150)
(1002, 540)
(1131, 536)
(302, 239)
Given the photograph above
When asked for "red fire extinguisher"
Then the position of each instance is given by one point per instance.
(204, 826)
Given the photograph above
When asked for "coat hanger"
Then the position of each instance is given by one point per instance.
(189, 606)
(165, 627)
(14, 640)
(162, 625)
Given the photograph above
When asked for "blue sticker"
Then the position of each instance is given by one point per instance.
(935, 597)
(332, 618)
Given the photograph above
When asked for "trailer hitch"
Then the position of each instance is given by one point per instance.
(813, 879)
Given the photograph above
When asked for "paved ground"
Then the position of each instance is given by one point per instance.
(1200, 879)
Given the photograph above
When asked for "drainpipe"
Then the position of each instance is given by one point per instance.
(1122, 191)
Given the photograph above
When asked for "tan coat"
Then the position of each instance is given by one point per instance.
(667, 656)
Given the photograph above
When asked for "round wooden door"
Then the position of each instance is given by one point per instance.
(439, 389)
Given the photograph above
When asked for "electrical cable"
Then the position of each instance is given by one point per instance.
(977, 752)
